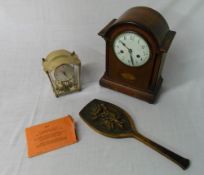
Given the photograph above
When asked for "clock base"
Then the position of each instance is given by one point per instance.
(149, 96)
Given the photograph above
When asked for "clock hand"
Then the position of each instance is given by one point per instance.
(124, 45)
(65, 74)
(68, 78)
(131, 57)
(129, 50)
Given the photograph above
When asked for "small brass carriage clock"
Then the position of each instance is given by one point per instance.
(136, 46)
(63, 70)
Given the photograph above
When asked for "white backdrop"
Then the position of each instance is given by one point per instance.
(30, 29)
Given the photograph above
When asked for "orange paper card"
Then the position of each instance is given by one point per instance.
(51, 135)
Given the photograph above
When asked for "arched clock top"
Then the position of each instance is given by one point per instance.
(146, 19)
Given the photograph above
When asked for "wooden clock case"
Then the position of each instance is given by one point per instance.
(145, 81)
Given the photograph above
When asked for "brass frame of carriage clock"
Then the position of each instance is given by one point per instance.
(56, 59)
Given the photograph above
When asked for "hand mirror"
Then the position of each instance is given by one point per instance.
(112, 121)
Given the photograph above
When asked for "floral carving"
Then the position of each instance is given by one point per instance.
(106, 117)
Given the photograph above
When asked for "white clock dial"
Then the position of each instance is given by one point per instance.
(64, 72)
(131, 49)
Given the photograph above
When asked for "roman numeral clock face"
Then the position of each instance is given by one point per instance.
(131, 49)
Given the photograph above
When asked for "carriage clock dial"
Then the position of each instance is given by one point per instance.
(131, 49)
(64, 72)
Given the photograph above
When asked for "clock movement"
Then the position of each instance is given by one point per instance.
(136, 47)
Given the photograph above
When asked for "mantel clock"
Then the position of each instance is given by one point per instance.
(136, 47)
